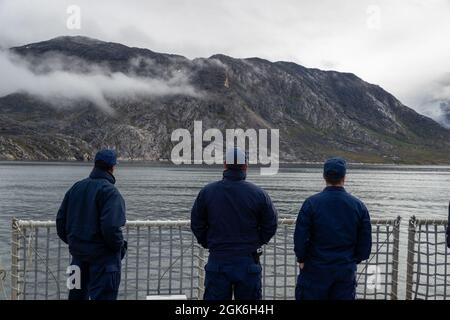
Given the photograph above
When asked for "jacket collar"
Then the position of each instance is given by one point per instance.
(234, 175)
(334, 188)
(100, 174)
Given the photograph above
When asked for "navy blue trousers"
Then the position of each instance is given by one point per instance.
(99, 280)
(334, 283)
(237, 276)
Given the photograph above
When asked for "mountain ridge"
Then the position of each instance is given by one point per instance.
(319, 113)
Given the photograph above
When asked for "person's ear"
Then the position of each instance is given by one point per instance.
(244, 167)
(224, 165)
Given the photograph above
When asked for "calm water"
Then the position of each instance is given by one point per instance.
(34, 191)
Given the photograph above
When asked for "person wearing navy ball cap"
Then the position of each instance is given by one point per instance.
(332, 235)
(90, 221)
(233, 219)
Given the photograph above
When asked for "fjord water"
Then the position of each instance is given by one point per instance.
(35, 190)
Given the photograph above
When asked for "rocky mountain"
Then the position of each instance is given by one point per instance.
(319, 113)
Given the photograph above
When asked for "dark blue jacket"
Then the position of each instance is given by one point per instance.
(448, 227)
(232, 216)
(333, 228)
(91, 217)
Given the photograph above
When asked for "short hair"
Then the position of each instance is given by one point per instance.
(235, 166)
(333, 179)
(102, 165)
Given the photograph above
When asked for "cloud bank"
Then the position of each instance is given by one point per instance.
(401, 45)
(52, 82)
(434, 100)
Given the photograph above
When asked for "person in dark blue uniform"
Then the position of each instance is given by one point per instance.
(448, 227)
(332, 235)
(90, 221)
(233, 218)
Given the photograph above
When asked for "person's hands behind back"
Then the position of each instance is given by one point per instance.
(123, 250)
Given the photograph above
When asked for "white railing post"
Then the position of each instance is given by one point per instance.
(201, 273)
(410, 257)
(15, 260)
(395, 259)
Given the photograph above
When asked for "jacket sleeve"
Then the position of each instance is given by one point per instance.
(302, 231)
(448, 227)
(364, 240)
(268, 222)
(199, 220)
(61, 219)
(112, 218)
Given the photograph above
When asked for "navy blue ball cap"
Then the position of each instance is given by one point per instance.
(335, 168)
(108, 156)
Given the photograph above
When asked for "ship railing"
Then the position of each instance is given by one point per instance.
(164, 258)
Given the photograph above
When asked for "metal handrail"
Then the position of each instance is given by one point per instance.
(156, 244)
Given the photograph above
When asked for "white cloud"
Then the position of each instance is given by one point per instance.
(406, 54)
(95, 84)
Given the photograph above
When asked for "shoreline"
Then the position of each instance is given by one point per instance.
(168, 164)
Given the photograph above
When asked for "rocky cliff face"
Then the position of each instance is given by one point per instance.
(319, 113)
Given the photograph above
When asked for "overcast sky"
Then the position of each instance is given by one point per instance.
(402, 45)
